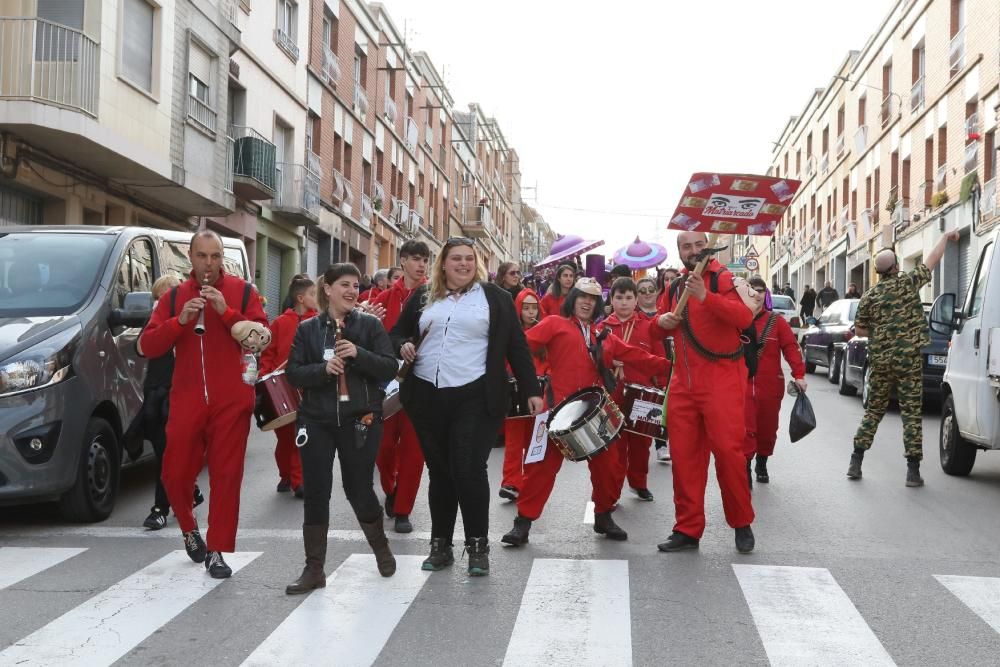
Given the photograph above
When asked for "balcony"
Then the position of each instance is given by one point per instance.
(49, 63)
(297, 196)
(476, 221)
(901, 214)
(360, 100)
(824, 164)
(840, 145)
(339, 186)
(956, 53)
(988, 205)
(416, 221)
(378, 197)
(389, 110)
(971, 156)
(399, 213)
(286, 43)
(810, 166)
(917, 95)
(230, 143)
(941, 178)
(890, 109)
(202, 114)
(867, 221)
(411, 134)
(367, 210)
(254, 176)
(861, 140)
(973, 129)
(429, 136)
(331, 66)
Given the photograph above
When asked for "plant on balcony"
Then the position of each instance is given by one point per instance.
(377, 204)
(890, 206)
(939, 199)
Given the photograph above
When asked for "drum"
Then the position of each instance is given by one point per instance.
(519, 400)
(277, 401)
(643, 408)
(585, 423)
(391, 403)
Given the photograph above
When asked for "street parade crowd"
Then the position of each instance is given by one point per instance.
(434, 362)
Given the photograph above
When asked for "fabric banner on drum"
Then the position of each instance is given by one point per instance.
(539, 439)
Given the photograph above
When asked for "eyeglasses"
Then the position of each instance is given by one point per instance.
(514, 272)
(460, 240)
(647, 290)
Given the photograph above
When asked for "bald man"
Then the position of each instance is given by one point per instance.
(891, 315)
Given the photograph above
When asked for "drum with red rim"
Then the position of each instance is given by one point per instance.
(643, 409)
(277, 401)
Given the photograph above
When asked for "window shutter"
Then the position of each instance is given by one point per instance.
(137, 47)
(64, 12)
(200, 64)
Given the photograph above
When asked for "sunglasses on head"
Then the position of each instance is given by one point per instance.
(460, 240)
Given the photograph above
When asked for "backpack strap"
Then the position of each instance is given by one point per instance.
(247, 290)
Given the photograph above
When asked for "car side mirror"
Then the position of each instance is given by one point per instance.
(136, 311)
(943, 319)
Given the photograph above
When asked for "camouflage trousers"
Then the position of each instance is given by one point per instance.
(905, 376)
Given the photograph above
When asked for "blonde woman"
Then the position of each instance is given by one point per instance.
(456, 393)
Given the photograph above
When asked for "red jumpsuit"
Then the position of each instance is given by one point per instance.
(400, 460)
(705, 407)
(572, 368)
(634, 448)
(286, 454)
(550, 305)
(517, 430)
(369, 294)
(767, 387)
(210, 405)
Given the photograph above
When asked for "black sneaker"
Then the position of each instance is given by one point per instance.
(518, 535)
(760, 469)
(389, 500)
(508, 493)
(678, 542)
(744, 540)
(644, 494)
(157, 519)
(403, 524)
(478, 550)
(284, 486)
(217, 568)
(198, 498)
(441, 555)
(195, 546)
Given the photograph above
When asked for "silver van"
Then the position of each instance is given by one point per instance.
(73, 300)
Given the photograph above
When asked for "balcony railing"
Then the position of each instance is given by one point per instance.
(429, 136)
(917, 95)
(49, 63)
(253, 164)
(941, 178)
(378, 197)
(971, 156)
(367, 210)
(956, 52)
(360, 100)
(867, 222)
(411, 134)
(286, 43)
(331, 66)
(400, 213)
(901, 213)
(298, 191)
(313, 164)
(890, 109)
(824, 163)
(230, 147)
(972, 128)
(416, 220)
(810, 165)
(861, 139)
(840, 145)
(339, 185)
(201, 113)
(390, 110)
(989, 205)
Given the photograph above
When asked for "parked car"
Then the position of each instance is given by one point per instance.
(72, 303)
(824, 340)
(970, 412)
(785, 306)
(853, 366)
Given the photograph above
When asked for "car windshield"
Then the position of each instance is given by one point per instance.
(175, 259)
(782, 302)
(49, 274)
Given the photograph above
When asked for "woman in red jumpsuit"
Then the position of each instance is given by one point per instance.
(766, 388)
(566, 340)
(563, 283)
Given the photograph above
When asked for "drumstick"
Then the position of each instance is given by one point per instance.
(338, 336)
(404, 370)
(712, 238)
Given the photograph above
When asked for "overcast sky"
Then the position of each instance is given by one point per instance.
(611, 109)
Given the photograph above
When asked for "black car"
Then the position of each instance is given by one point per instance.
(853, 366)
(824, 340)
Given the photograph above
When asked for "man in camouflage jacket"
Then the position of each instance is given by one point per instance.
(892, 316)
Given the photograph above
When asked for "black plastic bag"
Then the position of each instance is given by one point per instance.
(803, 419)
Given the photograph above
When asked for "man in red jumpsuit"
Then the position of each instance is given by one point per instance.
(400, 460)
(566, 340)
(210, 404)
(705, 407)
(767, 387)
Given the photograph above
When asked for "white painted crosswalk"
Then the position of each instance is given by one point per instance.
(19, 563)
(980, 594)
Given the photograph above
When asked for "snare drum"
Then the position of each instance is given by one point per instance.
(277, 401)
(643, 408)
(519, 400)
(391, 403)
(585, 423)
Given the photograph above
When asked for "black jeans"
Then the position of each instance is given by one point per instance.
(456, 435)
(155, 402)
(357, 466)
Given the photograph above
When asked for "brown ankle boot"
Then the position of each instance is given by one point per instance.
(314, 538)
(375, 533)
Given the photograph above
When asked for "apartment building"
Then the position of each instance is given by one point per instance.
(536, 237)
(900, 145)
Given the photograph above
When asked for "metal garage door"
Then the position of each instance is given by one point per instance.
(18, 209)
(963, 267)
(272, 284)
(312, 257)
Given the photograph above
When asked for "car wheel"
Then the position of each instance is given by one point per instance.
(810, 366)
(93, 495)
(832, 366)
(866, 386)
(957, 454)
(846, 388)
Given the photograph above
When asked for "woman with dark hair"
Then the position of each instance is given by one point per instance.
(341, 341)
(573, 348)
(562, 283)
(509, 278)
(457, 394)
(767, 386)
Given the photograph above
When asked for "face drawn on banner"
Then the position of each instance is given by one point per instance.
(733, 204)
(539, 439)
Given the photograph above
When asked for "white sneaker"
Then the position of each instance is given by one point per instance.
(663, 454)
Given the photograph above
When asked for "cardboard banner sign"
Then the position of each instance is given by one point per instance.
(733, 204)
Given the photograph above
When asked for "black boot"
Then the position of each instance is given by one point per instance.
(749, 474)
(478, 550)
(744, 540)
(375, 534)
(605, 525)
(913, 477)
(678, 542)
(441, 555)
(761, 470)
(854, 471)
(518, 535)
(314, 541)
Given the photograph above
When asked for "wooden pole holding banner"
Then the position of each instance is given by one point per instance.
(698, 270)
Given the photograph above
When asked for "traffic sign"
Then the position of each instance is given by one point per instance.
(752, 252)
(752, 264)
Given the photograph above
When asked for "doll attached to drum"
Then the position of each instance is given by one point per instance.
(585, 423)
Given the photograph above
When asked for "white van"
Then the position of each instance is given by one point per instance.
(970, 415)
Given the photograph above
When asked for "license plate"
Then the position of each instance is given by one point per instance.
(937, 359)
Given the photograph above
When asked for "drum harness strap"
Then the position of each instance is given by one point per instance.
(689, 332)
(597, 355)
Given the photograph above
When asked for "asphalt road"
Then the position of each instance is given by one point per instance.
(866, 572)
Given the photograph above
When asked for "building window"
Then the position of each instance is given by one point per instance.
(138, 44)
(52, 42)
(285, 32)
(201, 64)
(330, 29)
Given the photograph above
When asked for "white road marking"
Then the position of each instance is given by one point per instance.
(980, 594)
(573, 612)
(588, 513)
(112, 623)
(19, 563)
(805, 618)
(294, 534)
(349, 621)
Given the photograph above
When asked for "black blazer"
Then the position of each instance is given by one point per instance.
(507, 343)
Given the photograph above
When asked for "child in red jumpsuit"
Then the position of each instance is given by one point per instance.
(302, 292)
(567, 340)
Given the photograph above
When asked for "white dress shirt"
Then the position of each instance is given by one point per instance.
(453, 353)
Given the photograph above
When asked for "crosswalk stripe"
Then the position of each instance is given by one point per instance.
(112, 623)
(19, 563)
(588, 512)
(573, 612)
(980, 594)
(805, 618)
(349, 621)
